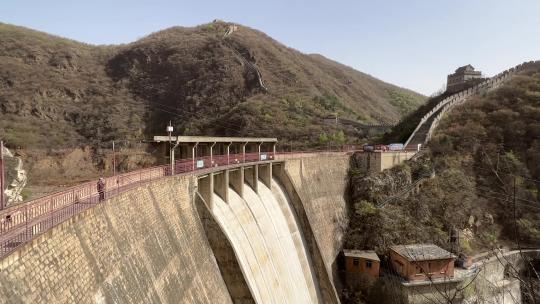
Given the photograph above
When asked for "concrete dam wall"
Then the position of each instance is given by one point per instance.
(321, 184)
(158, 244)
(145, 246)
(268, 244)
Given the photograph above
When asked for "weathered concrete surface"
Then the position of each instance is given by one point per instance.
(263, 232)
(225, 256)
(145, 246)
(321, 183)
(149, 245)
(499, 278)
(324, 277)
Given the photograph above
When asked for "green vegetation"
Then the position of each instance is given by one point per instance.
(332, 104)
(401, 131)
(477, 154)
(58, 95)
(404, 101)
(336, 139)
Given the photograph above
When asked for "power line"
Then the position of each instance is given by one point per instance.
(518, 198)
(507, 200)
(507, 173)
(174, 111)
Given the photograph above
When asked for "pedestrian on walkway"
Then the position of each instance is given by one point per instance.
(101, 189)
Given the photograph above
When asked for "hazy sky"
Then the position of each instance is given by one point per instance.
(410, 43)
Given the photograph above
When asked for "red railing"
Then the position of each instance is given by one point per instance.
(21, 223)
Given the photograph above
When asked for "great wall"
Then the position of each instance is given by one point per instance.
(430, 121)
(253, 230)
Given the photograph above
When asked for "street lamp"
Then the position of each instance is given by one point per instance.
(171, 151)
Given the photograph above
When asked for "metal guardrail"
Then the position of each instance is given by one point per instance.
(21, 223)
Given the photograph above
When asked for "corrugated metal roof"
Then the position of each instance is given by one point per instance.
(422, 252)
(366, 254)
(212, 139)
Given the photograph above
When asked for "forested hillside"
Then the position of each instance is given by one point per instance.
(480, 176)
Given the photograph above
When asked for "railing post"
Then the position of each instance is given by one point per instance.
(50, 209)
(259, 148)
(26, 222)
(228, 151)
(193, 153)
(171, 159)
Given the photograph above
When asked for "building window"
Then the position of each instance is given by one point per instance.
(368, 264)
(356, 262)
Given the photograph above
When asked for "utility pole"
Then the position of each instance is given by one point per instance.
(2, 177)
(113, 159)
(516, 230)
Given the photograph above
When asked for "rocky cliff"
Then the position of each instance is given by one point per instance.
(15, 178)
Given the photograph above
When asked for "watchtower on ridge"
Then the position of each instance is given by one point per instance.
(462, 78)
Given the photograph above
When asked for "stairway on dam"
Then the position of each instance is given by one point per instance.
(267, 242)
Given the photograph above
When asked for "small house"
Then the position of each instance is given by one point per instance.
(420, 262)
(361, 261)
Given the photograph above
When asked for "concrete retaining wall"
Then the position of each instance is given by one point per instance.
(149, 245)
(145, 246)
(379, 161)
(498, 282)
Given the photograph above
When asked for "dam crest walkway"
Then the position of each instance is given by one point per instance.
(24, 222)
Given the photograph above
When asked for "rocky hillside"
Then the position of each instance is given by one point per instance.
(483, 153)
(216, 78)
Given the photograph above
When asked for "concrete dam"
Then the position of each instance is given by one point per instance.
(265, 232)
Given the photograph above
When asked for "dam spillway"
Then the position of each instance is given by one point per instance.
(268, 244)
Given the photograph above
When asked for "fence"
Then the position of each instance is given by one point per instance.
(21, 223)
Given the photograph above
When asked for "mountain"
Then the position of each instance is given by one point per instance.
(215, 79)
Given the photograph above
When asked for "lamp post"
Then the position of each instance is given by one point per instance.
(171, 151)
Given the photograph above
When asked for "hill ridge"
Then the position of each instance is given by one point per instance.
(56, 91)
